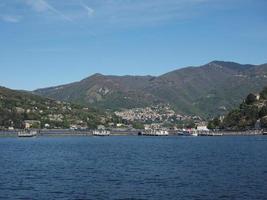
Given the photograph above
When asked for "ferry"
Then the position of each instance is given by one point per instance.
(101, 133)
(155, 132)
(27, 133)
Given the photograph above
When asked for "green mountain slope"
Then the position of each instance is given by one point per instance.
(17, 106)
(208, 90)
(251, 113)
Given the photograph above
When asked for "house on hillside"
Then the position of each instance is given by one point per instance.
(258, 125)
(202, 128)
(31, 124)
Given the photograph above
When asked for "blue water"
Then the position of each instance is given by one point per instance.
(133, 168)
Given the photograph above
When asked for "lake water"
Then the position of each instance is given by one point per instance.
(132, 167)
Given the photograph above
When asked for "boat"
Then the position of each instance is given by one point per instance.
(210, 134)
(27, 133)
(155, 132)
(184, 133)
(187, 133)
(101, 133)
(217, 134)
(194, 133)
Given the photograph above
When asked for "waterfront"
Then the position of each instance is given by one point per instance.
(131, 167)
(126, 132)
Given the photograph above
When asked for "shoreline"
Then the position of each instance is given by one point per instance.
(68, 132)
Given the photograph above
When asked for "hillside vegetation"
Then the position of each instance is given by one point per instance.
(252, 113)
(17, 106)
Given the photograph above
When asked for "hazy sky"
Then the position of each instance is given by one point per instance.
(50, 42)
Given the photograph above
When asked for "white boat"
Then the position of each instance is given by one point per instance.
(155, 132)
(27, 133)
(101, 133)
(217, 134)
(185, 132)
(210, 134)
(194, 133)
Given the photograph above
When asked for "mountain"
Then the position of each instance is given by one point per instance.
(207, 90)
(111, 92)
(17, 106)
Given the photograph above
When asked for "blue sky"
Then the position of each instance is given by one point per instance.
(51, 42)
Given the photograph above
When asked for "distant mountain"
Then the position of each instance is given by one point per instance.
(17, 106)
(208, 90)
(112, 92)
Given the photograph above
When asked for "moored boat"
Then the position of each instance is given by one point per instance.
(184, 133)
(101, 133)
(210, 134)
(155, 132)
(27, 133)
(188, 132)
(217, 134)
(194, 133)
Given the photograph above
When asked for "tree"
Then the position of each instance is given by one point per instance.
(264, 122)
(36, 125)
(232, 119)
(263, 111)
(65, 124)
(211, 125)
(251, 114)
(92, 124)
(217, 122)
(251, 98)
(263, 94)
(190, 125)
(138, 125)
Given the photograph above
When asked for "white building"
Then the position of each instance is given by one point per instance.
(202, 128)
(101, 127)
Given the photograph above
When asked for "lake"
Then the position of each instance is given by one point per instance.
(132, 167)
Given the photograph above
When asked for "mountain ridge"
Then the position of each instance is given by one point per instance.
(207, 90)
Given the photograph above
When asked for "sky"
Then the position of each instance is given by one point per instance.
(51, 42)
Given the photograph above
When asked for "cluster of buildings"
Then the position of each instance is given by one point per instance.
(199, 127)
(159, 114)
(152, 117)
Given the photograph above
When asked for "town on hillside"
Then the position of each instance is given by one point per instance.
(24, 111)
